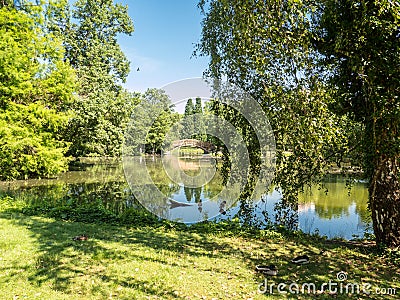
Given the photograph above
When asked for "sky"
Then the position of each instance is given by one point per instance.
(163, 42)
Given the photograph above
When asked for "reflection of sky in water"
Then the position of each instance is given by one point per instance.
(347, 225)
(189, 213)
(344, 226)
(196, 211)
(334, 215)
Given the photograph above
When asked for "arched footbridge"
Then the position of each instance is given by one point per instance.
(206, 146)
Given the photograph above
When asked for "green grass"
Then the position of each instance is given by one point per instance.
(40, 260)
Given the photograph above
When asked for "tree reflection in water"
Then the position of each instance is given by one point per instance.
(106, 184)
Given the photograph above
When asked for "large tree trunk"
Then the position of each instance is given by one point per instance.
(384, 200)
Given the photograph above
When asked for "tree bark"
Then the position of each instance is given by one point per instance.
(384, 200)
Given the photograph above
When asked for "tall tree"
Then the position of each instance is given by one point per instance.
(198, 108)
(187, 130)
(36, 85)
(285, 54)
(150, 124)
(199, 125)
(102, 107)
(264, 47)
(361, 40)
(189, 108)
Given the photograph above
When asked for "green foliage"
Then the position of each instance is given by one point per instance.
(199, 124)
(363, 48)
(29, 141)
(35, 87)
(91, 42)
(97, 128)
(86, 214)
(31, 62)
(79, 209)
(103, 107)
(151, 123)
(193, 123)
(188, 126)
(327, 75)
(189, 108)
(268, 54)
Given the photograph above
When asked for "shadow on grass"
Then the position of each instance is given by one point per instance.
(62, 261)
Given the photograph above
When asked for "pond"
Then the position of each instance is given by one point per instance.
(338, 213)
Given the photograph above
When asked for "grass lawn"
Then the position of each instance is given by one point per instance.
(40, 260)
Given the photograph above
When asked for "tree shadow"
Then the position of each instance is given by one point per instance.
(62, 260)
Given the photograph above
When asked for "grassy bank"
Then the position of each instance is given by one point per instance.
(183, 151)
(39, 259)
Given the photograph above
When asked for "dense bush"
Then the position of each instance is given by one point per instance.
(29, 144)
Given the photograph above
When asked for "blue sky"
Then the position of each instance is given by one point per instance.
(162, 43)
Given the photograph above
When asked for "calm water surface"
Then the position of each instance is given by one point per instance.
(337, 213)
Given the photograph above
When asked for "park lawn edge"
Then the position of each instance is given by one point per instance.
(40, 260)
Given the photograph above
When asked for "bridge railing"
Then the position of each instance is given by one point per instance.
(193, 143)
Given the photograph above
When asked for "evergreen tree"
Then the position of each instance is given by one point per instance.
(189, 108)
(199, 124)
(197, 194)
(187, 131)
(188, 193)
(198, 108)
(36, 85)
